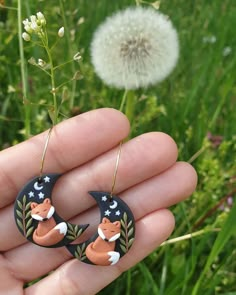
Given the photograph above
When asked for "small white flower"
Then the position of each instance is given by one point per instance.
(135, 48)
(28, 29)
(209, 39)
(40, 16)
(41, 62)
(26, 36)
(35, 27)
(33, 18)
(26, 22)
(77, 56)
(61, 32)
(226, 51)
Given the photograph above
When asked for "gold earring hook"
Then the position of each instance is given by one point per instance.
(44, 153)
(116, 170)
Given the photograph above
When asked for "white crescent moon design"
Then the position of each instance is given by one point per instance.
(34, 205)
(37, 187)
(114, 205)
(115, 234)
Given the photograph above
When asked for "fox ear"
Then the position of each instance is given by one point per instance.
(105, 220)
(47, 201)
(33, 205)
(117, 224)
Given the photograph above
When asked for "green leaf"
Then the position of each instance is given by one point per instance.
(70, 233)
(28, 206)
(77, 255)
(130, 242)
(70, 227)
(29, 231)
(83, 258)
(123, 248)
(24, 200)
(83, 246)
(19, 205)
(123, 241)
(28, 215)
(19, 214)
(122, 223)
(123, 233)
(79, 250)
(29, 223)
(125, 217)
(130, 232)
(79, 232)
(129, 224)
(76, 229)
(20, 224)
(69, 237)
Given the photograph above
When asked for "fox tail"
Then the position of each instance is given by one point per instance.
(102, 258)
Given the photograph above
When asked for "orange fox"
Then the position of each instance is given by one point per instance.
(101, 251)
(47, 233)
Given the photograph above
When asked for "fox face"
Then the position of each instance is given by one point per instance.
(109, 231)
(43, 211)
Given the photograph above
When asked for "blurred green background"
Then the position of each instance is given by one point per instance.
(195, 105)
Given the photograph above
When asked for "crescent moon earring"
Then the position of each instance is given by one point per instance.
(115, 233)
(35, 215)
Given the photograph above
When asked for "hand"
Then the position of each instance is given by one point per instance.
(84, 149)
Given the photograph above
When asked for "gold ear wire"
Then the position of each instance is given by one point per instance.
(44, 153)
(116, 170)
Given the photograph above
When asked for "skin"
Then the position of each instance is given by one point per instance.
(84, 149)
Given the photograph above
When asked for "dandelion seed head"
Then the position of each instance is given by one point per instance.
(135, 48)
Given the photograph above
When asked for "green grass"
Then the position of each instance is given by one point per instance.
(199, 97)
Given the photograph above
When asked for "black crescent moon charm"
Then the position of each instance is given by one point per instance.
(115, 233)
(36, 217)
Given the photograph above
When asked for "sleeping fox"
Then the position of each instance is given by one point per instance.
(101, 251)
(47, 233)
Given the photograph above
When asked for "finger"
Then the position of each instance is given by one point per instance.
(161, 191)
(74, 277)
(142, 158)
(72, 143)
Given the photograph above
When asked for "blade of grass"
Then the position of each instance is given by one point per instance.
(228, 229)
(148, 279)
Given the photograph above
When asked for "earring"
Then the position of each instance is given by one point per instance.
(35, 215)
(116, 231)
(37, 220)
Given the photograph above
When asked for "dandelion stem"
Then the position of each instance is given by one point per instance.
(23, 73)
(123, 100)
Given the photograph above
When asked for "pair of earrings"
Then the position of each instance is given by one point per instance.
(38, 222)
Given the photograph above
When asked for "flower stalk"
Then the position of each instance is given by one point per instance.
(36, 25)
(23, 74)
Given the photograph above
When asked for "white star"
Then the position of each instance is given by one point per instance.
(107, 213)
(31, 194)
(118, 213)
(47, 179)
(104, 198)
(41, 195)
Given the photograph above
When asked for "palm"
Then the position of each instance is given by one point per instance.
(84, 149)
